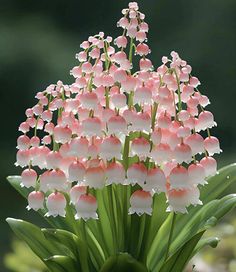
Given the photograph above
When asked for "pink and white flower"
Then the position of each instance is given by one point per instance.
(56, 204)
(141, 203)
(35, 201)
(86, 207)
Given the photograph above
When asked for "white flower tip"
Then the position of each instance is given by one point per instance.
(140, 212)
(62, 214)
(86, 216)
(28, 208)
(176, 209)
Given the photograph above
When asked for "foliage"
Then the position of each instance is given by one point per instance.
(93, 245)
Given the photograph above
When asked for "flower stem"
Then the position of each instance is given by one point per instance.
(179, 93)
(170, 235)
(131, 49)
(154, 112)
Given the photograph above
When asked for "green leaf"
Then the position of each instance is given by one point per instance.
(59, 263)
(204, 218)
(96, 252)
(211, 241)
(106, 222)
(123, 262)
(217, 184)
(75, 245)
(178, 261)
(15, 182)
(154, 222)
(34, 237)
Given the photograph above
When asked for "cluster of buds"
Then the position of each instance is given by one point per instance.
(146, 129)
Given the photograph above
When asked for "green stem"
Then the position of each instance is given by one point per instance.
(154, 112)
(170, 235)
(107, 97)
(107, 60)
(126, 193)
(179, 93)
(126, 152)
(131, 49)
(130, 99)
(208, 132)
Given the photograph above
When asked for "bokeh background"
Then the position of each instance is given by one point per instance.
(38, 42)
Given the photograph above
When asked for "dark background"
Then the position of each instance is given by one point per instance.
(39, 39)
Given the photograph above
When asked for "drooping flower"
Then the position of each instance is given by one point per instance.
(35, 200)
(86, 207)
(56, 204)
(141, 202)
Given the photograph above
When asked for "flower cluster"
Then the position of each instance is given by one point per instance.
(147, 129)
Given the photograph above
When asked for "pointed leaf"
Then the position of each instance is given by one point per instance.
(34, 237)
(211, 241)
(123, 262)
(206, 217)
(74, 244)
(178, 261)
(60, 263)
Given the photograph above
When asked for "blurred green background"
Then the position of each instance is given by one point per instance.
(38, 42)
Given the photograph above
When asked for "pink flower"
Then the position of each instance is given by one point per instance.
(35, 201)
(117, 125)
(141, 202)
(56, 204)
(155, 180)
(28, 178)
(115, 173)
(137, 173)
(86, 207)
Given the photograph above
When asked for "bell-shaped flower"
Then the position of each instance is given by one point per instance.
(140, 147)
(86, 207)
(136, 173)
(23, 142)
(179, 178)
(182, 153)
(56, 204)
(197, 174)
(115, 173)
(155, 180)
(76, 171)
(95, 176)
(117, 125)
(35, 201)
(196, 143)
(209, 165)
(28, 178)
(110, 148)
(212, 145)
(141, 203)
(76, 191)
